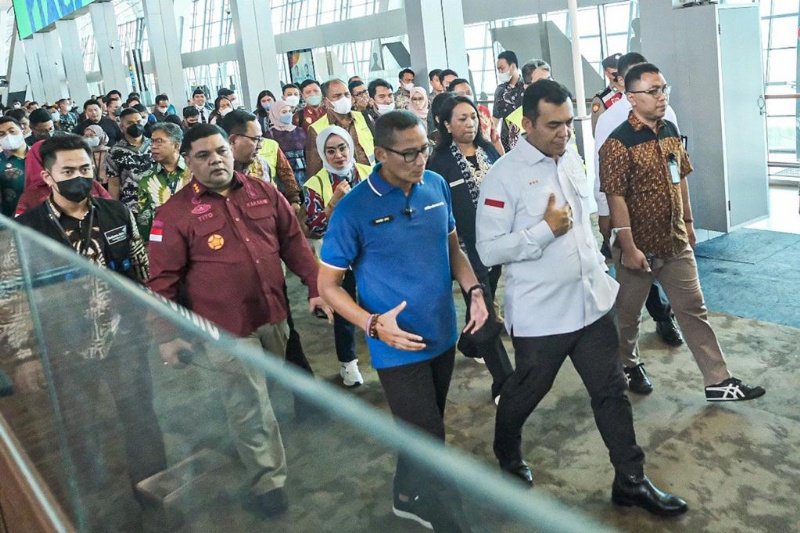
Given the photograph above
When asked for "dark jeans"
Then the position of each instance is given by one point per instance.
(493, 352)
(593, 351)
(294, 349)
(657, 304)
(344, 332)
(416, 394)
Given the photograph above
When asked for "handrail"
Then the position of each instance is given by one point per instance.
(782, 96)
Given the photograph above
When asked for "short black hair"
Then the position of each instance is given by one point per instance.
(447, 72)
(625, 62)
(39, 116)
(91, 101)
(458, 81)
(62, 100)
(509, 56)
(190, 111)
(128, 111)
(61, 143)
(162, 98)
(8, 118)
(548, 90)
(134, 94)
(372, 88)
(387, 125)
(634, 74)
(140, 108)
(225, 92)
(353, 84)
(132, 99)
(198, 91)
(235, 122)
(308, 82)
(115, 92)
(201, 131)
(17, 114)
(532, 66)
(289, 86)
(435, 73)
(404, 72)
(325, 87)
(445, 114)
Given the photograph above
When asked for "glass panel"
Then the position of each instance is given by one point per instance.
(126, 443)
(784, 32)
(617, 18)
(780, 7)
(588, 21)
(782, 65)
(617, 44)
(781, 133)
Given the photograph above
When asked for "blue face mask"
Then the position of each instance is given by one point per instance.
(286, 119)
(314, 100)
(267, 106)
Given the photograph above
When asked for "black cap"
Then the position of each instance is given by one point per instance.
(611, 61)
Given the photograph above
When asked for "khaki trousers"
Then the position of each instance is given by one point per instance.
(678, 277)
(249, 410)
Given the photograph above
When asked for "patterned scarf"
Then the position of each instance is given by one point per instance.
(472, 176)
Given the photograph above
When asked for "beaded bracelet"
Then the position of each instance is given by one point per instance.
(373, 326)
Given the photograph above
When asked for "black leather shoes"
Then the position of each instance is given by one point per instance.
(669, 332)
(639, 491)
(638, 381)
(522, 472)
(273, 503)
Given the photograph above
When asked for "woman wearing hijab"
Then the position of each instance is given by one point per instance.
(418, 104)
(339, 174)
(290, 138)
(97, 139)
(463, 157)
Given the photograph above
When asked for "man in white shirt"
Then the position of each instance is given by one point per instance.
(657, 304)
(533, 217)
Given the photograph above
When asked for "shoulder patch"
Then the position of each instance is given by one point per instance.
(595, 108)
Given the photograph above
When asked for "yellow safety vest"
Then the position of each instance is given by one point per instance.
(515, 117)
(269, 151)
(362, 130)
(321, 182)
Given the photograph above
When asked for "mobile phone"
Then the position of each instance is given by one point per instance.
(320, 313)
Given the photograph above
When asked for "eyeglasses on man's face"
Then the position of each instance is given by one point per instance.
(409, 156)
(655, 92)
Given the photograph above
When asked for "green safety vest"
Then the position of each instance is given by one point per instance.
(269, 151)
(515, 117)
(321, 182)
(362, 130)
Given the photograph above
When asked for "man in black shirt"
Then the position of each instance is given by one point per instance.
(94, 116)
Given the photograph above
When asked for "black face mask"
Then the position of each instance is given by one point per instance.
(76, 189)
(135, 130)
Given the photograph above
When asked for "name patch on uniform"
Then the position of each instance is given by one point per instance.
(434, 206)
(113, 236)
(207, 216)
(457, 183)
(494, 203)
(382, 220)
(200, 209)
(260, 201)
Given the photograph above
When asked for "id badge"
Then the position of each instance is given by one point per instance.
(673, 172)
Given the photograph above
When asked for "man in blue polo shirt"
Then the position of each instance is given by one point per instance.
(396, 231)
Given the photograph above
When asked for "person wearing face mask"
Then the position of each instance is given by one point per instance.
(222, 106)
(381, 98)
(463, 156)
(264, 104)
(12, 159)
(418, 104)
(339, 105)
(290, 138)
(323, 191)
(129, 160)
(162, 109)
(97, 140)
(68, 119)
(92, 109)
(403, 94)
(313, 108)
(461, 87)
(94, 350)
(508, 95)
(199, 103)
(42, 126)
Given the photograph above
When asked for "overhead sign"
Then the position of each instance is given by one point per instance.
(35, 15)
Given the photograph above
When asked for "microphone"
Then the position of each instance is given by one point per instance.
(408, 211)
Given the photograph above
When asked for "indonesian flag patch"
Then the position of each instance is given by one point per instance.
(494, 203)
(157, 231)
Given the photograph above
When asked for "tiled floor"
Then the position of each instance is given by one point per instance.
(784, 216)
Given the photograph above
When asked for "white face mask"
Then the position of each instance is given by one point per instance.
(143, 121)
(504, 77)
(342, 106)
(292, 100)
(224, 111)
(163, 109)
(408, 86)
(385, 108)
(93, 142)
(12, 142)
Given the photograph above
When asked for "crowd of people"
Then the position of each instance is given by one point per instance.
(377, 199)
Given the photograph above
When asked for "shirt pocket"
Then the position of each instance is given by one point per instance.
(535, 200)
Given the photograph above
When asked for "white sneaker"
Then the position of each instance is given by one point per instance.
(350, 374)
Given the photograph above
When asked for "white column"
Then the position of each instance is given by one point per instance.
(33, 55)
(577, 63)
(165, 49)
(255, 49)
(77, 86)
(109, 47)
(435, 31)
(17, 74)
(52, 66)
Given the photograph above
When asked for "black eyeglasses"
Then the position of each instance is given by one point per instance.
(254, 139)
(411, 155)
(655, 92)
